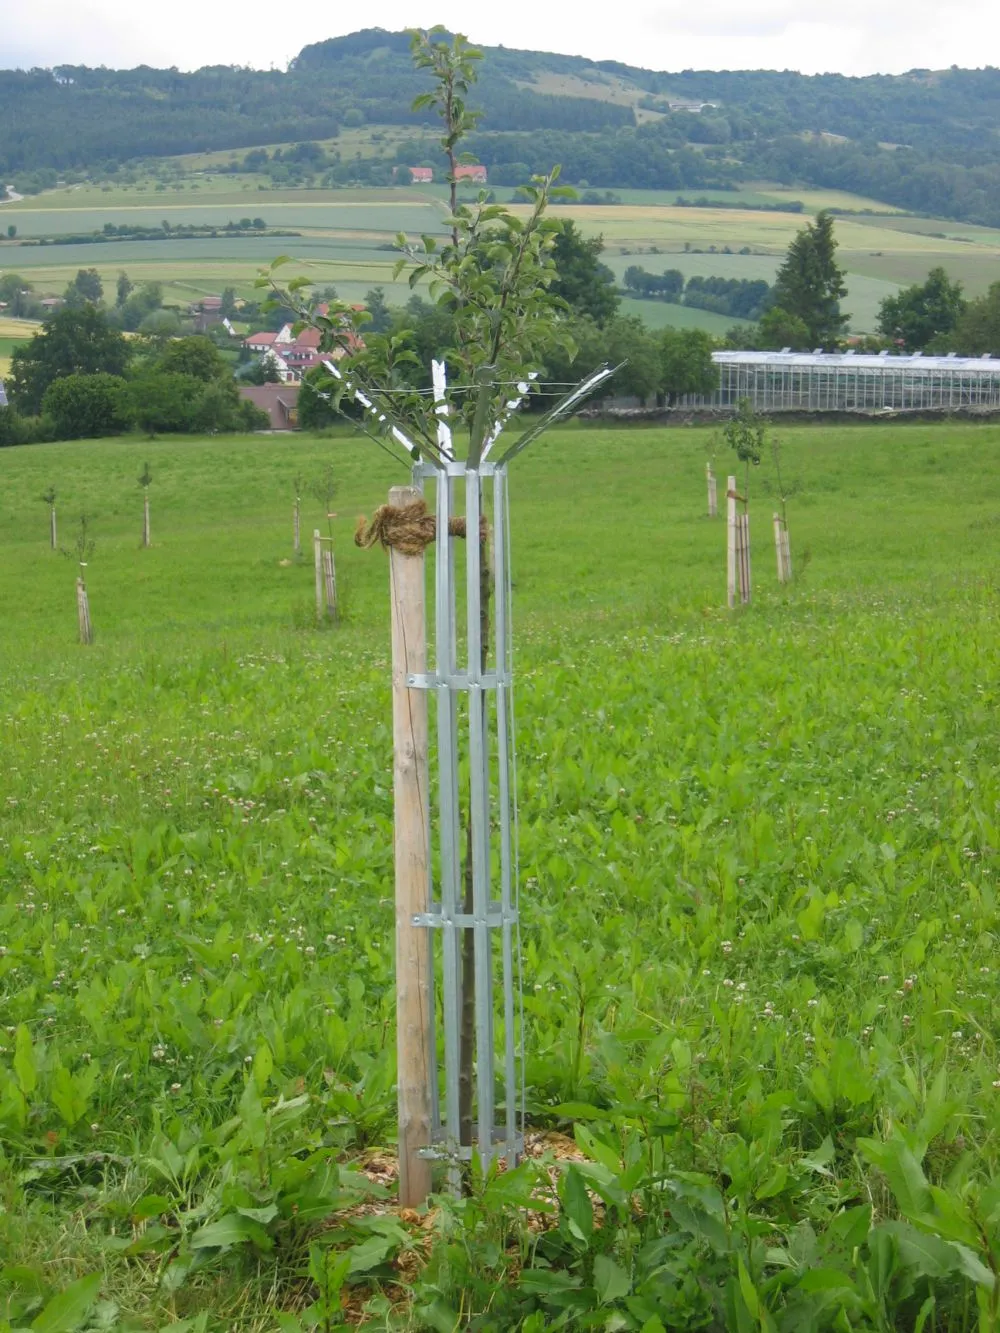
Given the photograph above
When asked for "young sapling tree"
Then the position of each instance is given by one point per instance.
(144, 479)
(492, 274)
(712, 450)
(744, 433)
(323, 489)
(48, 497)
(297, 515)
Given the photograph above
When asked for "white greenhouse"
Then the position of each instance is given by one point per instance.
(853, 382)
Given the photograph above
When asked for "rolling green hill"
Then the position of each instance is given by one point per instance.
(924, 141)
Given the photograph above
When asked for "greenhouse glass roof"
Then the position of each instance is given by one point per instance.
(857, 361)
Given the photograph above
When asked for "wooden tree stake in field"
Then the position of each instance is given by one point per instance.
(781, 550)
(416, 1061)
(737, 547)
(83, 612)
(713, 503)
(781, 519)
(296, 517)
(326, 577)
(84, 550)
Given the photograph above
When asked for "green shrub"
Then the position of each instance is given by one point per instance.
(86, 406)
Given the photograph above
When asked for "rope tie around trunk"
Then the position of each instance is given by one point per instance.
(409, 529)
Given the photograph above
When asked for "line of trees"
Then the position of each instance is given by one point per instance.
(81, 378)
(740, 298)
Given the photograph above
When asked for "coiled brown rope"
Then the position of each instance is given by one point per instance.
(409, 529)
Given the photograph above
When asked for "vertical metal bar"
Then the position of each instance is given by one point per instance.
(479, 817)
(450, 840)
(504, 800)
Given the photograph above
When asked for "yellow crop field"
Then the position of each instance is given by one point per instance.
(816, 199)
(17, 328)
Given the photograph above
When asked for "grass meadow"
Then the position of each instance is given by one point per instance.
(758, 859)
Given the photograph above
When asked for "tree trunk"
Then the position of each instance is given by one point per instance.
(468, 1030)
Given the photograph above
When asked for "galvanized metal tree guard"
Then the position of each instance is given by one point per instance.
(471, 684)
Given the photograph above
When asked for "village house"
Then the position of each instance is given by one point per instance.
(294, 354)
(418, 175)
(206, 311)
(474, 173)
(279, 401)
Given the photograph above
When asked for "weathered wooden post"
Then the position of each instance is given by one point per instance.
(83, 612)
(713, 504)
(781, 550)
(296, 537)
(318, 562)
(52, 529)
(416, 1062)
(787, 550)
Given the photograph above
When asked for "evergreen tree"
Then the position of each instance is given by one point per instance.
(583, 282)
(810, 283)
(377, 307)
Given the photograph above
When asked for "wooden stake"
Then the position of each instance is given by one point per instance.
(145, 518)
(783, 550)
(83, 612)
(731, 542)
(318, 561)
(52, 528)
(779, 548)
(330, 583)
(297, 539)
(411, 828)
(713, 503)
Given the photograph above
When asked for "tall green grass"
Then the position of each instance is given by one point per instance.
(758, 856)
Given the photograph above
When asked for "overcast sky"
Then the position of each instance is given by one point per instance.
(853, 37)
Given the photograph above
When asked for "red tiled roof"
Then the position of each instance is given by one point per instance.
(307, 338)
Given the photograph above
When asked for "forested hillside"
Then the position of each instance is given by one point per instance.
(926, 141)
